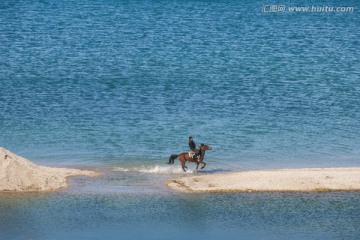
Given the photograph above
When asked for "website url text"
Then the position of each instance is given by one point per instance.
(304, 9)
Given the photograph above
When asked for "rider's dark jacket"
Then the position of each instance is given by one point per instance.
(192, 146)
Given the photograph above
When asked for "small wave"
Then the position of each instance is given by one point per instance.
(120, 169)
(157, 169)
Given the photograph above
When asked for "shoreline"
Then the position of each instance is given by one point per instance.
(280, 180)
(18, 174)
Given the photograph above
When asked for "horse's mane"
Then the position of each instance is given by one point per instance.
(201, 150)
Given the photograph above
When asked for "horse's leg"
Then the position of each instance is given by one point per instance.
(183, 165)
(182, 160)
(197, 166)
(204, 164)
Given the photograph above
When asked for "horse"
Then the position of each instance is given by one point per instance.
(186, 156)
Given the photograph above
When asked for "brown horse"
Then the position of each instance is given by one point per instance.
(186, 156)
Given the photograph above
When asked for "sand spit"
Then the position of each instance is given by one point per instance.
(283, 180)
(20, 174)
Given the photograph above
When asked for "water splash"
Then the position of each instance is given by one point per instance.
(157, 169)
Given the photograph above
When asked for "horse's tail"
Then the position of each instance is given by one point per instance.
(172, 158)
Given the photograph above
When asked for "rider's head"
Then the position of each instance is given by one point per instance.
(190, 137)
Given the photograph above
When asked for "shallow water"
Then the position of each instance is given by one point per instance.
(120, 85)
(132, 206)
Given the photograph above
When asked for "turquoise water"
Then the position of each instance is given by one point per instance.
(118, 86)
(173, 216)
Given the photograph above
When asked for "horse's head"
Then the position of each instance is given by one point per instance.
(205, 147)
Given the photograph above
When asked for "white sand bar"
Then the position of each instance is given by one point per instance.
(283, 180)
(20, 174)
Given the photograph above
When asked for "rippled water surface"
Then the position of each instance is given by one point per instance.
(120, 85)
(164, 215)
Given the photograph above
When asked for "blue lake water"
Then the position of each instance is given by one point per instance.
(118, 86)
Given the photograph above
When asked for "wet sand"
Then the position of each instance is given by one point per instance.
(282, 180)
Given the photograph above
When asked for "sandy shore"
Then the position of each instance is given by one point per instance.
(286, 180)
(20, 174)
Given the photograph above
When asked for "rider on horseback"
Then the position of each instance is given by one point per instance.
(194, 150)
